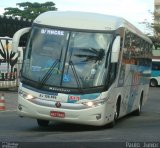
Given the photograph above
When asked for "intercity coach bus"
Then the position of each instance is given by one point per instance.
(10, 64)
(83, 68)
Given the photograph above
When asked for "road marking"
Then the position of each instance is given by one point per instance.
(8, 111)
(88, 140)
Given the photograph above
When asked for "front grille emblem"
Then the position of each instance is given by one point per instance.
(58, 104)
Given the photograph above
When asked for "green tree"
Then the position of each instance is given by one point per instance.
(30, 10)
(156, 37)
(155, 27)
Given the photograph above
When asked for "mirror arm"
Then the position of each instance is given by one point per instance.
(16, 38)
(115, 49)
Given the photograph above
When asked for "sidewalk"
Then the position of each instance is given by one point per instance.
(10, 97)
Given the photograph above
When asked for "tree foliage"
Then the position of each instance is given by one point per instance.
(156, 37)
(30, 10)
(155, 27)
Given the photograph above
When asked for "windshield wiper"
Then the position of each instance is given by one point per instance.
(75, 75)
(48, 74)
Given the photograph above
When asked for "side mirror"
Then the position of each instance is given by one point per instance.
(115, 49)
(20, 73)
(16, 38)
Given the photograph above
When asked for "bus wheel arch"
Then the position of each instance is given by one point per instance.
(153, 83)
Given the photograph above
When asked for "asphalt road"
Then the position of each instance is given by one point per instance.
(144, 128)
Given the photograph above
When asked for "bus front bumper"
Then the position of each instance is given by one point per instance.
(90, 116)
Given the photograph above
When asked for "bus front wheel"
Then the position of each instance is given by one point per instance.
(116, 114)
(42, 123)
(153, 83)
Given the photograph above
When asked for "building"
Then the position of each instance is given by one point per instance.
(157, 11)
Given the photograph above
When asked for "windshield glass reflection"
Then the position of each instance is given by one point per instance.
(66, 59)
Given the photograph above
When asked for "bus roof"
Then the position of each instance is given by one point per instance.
(85, 21)
(155, 60)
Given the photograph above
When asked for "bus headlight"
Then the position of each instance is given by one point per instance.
(94, 103)
(28, 97)
(25, 95)
(90, 104)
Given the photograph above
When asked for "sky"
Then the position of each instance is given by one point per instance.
(135, 11)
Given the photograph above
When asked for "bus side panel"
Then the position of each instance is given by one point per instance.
(131, 84)
(134, 72)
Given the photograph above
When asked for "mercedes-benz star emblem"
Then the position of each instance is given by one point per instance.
(58, 104)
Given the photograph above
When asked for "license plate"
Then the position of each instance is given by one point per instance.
(57, 114)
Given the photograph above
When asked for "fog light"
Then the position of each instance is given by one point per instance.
(20, 107)
(98, 116)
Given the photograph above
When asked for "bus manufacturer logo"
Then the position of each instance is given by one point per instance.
(58, 104)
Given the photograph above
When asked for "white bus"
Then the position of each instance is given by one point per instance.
(83, 68)
(10, 64)
(155, 75)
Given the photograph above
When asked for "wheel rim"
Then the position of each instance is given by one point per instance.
(139, 107)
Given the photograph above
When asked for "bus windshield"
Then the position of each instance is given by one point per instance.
(66, 59)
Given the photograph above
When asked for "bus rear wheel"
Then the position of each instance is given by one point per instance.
(137, 112)
(153, 83)
(42, 123)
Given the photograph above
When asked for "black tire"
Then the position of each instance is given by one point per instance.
(153, 83)
(113, 123)
(116, 115)
(42, 123)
